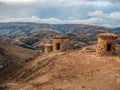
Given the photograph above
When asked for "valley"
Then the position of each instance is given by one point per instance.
(25, 66)
(34, 35)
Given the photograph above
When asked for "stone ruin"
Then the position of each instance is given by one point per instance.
(106, 44)
(60, 43)
(48, 48)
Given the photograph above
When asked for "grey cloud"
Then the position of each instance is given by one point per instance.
(44, 11)
(105, 19)
(113, 1)
(59, 11)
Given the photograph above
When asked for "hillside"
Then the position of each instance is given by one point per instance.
(70, 70)
(118, 29)
(34, 35)
(12, 56)
(25, 34)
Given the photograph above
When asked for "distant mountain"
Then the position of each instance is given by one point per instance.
(25, 34)
(118, 29)
(15, 29)
(34, 35)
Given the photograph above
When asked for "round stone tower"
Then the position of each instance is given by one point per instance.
(48, 48)
(106, 44)
(60, 43)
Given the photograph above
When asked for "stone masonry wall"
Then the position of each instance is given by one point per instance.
(63, 44)
(48, 49)
(102, 47)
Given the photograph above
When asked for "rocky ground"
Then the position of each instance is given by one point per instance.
(70, 70)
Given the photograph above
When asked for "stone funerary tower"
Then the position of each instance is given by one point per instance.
(61, 43)
(106, 44)
(48, 48)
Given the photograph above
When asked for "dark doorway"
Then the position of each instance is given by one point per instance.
(109, 47)
(57, 46)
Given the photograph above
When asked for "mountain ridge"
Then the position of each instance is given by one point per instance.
(34, 35)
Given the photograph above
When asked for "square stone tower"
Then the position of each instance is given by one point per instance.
(60, 43)
(106, 44)
(48, 48)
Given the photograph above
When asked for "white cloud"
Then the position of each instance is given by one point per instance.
(104, 19)
(96, 13)
(63, 2)
(93, 3)
(17, 1)
(115, 15)
(52, 20)
(31, 19)
(108, 19)
(112, 1)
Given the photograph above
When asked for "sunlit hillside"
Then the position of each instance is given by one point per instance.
(70, 70)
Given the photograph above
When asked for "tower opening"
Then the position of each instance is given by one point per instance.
(58, 46)
(108, 47)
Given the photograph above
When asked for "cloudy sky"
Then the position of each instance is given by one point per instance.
(95, 12)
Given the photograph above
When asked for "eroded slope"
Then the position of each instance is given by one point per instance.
(71, 70)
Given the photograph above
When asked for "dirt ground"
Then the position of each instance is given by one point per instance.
(70, 70)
